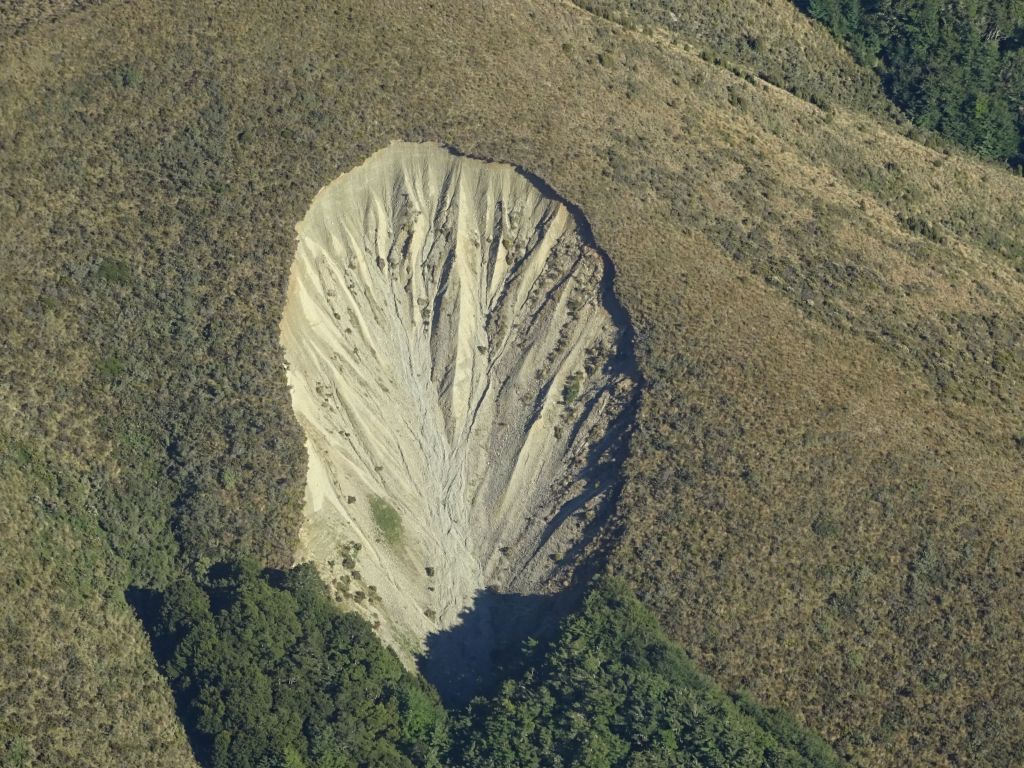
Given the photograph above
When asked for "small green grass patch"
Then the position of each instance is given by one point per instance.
(387, 519)
(110, 366)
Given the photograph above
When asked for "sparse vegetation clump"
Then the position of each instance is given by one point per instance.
(115, 271)
(387, 519)
(571, 391)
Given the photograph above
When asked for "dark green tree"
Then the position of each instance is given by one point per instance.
(269, 673)
(612, 692)
(954, 67)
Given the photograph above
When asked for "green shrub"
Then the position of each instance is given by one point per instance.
(110, 366)
(572, 388)
(114, 271)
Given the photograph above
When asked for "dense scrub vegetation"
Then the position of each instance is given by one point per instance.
(955, 67)
(612, 692)
(268, 672)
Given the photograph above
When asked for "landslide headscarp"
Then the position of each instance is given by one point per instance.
(462, 383)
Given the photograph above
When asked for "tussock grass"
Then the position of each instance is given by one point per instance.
(823, 498)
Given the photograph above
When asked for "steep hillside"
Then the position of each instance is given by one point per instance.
(769, 40)
(825, 482)
(77, 681)
(957, 68)
(462, 384)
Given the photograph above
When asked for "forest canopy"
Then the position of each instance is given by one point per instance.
(611, 691)
(269, 673)
(957, 68)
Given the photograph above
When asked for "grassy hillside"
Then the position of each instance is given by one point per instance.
(20, 16)
(77, 682)
(769, 40)
(826, 475)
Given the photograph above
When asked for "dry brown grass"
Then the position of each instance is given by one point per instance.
(78, 685)
(826, 475)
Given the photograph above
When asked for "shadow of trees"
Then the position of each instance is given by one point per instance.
(486, 647)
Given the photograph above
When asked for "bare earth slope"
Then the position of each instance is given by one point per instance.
(455, 370)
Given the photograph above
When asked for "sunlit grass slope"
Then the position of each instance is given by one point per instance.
(824, 495)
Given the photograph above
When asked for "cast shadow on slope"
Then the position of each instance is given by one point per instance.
(486, 647)
(473, 657)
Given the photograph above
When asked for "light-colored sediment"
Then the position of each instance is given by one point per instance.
(439, 310)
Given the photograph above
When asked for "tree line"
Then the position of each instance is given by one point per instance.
(269, 673)
(954, 67)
